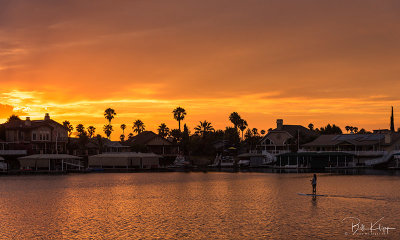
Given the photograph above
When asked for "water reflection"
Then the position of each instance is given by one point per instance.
(193, 205)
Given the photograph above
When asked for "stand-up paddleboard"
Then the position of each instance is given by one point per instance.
(311, 194)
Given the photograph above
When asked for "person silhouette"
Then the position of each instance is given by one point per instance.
(314, 184)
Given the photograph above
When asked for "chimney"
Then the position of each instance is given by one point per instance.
(46, 117)
(279, 124)
(28, 121)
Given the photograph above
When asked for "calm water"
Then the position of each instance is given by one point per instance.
(195, 206)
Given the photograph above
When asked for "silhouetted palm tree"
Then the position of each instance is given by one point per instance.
(254, 131)
(91, 130)
(163, 130)
(179, 115)
(242, 126)
(138, 126)
(204, 127)
(69, 127)
(311, 126)
(109, 114)
(122, 137)
(80, 129)
(347, 128)
(123, 127)
(248, 135)
(235, 119)
(355, 129)
(262, 132)
(108, 129)
(130, 136)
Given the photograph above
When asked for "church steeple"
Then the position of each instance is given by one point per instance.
(392, 122)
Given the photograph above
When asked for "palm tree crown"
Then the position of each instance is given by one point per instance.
(69, 127)
(123, 127)
(80, 129)
(138, 126)
(108, 129)
(179, 115)
(91, 130)
(235, 119)
(109, 114)
(204, 127)
(163, 130)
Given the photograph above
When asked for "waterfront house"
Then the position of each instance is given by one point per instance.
(149, 141)
(33, 136)
(285, 138)
(368, 149)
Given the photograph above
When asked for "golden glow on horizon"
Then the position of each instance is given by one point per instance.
(309, 62)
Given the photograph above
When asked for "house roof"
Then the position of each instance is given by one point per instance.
(145, 137)
(295, 129)
(34, 124)
(49, 156)
(353, 139)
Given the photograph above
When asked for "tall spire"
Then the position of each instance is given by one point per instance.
(392, 122)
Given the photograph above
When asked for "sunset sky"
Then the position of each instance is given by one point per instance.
(304, 61)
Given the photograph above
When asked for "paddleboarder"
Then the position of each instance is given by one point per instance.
(314, 184)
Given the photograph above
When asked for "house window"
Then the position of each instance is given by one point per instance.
(34, 136)
(47, 136)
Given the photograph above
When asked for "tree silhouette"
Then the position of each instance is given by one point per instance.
(108, 129)
(254, 131)
(330, 129)
(235, 119)
(13, 118)
(91, 131)
(262, 132)
(69, 127)
(311, 126)
(179, 115)
(163, 130)
(204, 127)
(175, 134)
(130, 136)
(122, 137)
(109, 114)
(81, 130)
(138, 126)
(123, 127)
(232, 135)
(347, 128)
(249, 134)
(242, 126)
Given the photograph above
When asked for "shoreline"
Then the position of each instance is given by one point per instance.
(341, 171)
